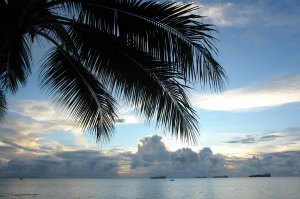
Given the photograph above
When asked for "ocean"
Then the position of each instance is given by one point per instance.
(206, 188)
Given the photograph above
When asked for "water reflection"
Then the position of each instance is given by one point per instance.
(208, 188)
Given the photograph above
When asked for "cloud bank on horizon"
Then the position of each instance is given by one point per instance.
(151, 158)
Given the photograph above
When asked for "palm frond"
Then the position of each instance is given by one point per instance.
(77, 91)
(148, 84)
(15, 63)
(146, 52)
(166, 30)
(2, 104)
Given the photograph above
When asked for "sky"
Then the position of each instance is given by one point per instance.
(252, 127)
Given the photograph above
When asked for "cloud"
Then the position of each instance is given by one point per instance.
(278, 164)
(205, 152)
(250, 139)
(269, 137)
(247, 140)
(281, 140)
(31, 145)
(185, 162)
(151, 150)
(226, 14)
(40, 121)
(87, 164)
(258, 13)
(39, 111)
(275, 92)
(127, 119)
(153, 158)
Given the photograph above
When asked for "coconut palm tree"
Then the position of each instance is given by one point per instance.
(143, 52)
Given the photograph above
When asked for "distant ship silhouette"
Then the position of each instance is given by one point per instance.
(158, 177)
(261, 175)
(220, 176)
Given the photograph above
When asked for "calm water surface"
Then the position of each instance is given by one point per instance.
(208, 188)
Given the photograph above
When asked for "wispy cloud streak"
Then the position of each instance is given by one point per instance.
(275, 92)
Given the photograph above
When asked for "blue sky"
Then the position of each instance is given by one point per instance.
(252, 127)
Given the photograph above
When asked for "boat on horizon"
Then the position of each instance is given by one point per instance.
(261, 175)
(225, 176)
(158, 177)
(200, 177)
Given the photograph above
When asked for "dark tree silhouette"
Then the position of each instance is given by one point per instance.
(144, 52)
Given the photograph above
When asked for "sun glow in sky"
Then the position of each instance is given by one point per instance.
(252, 127)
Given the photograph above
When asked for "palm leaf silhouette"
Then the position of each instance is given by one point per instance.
(144, 52)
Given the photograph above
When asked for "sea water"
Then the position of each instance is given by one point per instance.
(207, 188)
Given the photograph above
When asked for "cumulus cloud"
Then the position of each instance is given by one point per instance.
(278, 164)
(152, 149)
(185, 162)
(275, 92)
(153, 158)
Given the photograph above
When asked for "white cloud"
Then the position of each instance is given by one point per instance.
(39, 110)
(32, 119)
(126, 114)
(226, 14)
(276, 92)
(240, 14)
(128, 119)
